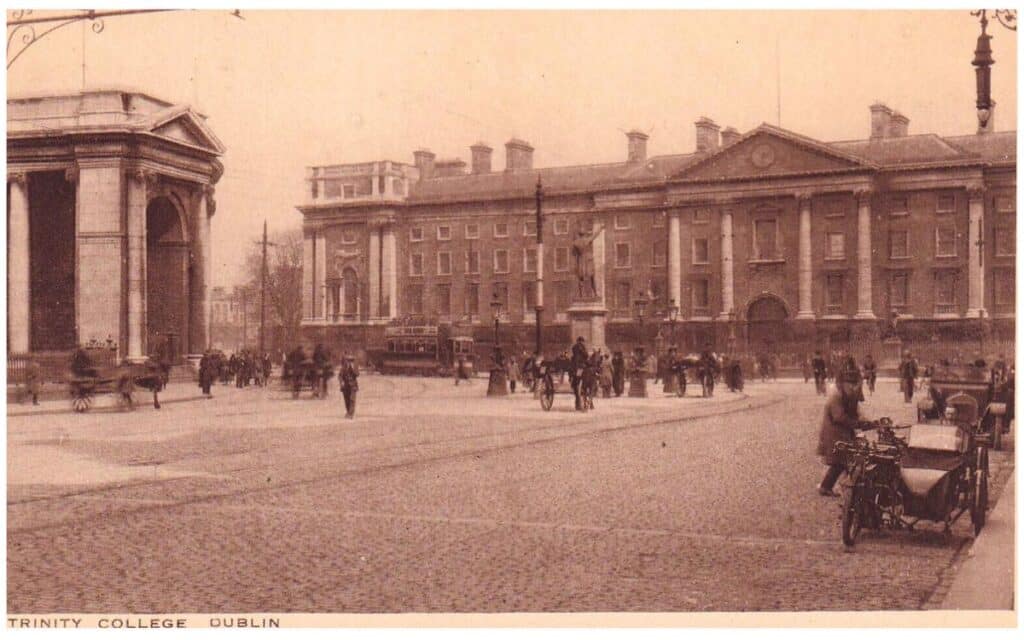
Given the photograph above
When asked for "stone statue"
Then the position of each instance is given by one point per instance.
(583, 253)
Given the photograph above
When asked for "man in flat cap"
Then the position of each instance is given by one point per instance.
(840, 419)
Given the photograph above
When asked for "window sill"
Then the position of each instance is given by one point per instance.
(899, 257)
(835, 259)
(623, 266)
(834, 316)
(700, 264)
(702, 316)
(768, 261)
(951, 256)
(946, 316)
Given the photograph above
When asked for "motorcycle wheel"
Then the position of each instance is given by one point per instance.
(997, 433)
(979, 499)
(851, 517)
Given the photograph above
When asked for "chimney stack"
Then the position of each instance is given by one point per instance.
(899, 125)
(990, 124)
(518, 155)
(707, 135)
(881, 121)
(637, 149)
(481, 157)
(729, 136)
(424, 161)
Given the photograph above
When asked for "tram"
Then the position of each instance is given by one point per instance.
(425, 350)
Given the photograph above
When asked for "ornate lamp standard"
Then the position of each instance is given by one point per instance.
(640, 304)
(983, 62)
(497, 384)
(673, 314)
(671, 384)
(638, 376)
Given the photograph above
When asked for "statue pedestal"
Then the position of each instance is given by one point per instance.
(587, 320)
(497, 385)
(638, 384)
(892, 352)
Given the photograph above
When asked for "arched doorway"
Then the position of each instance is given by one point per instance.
(167, 278)
(766, 324)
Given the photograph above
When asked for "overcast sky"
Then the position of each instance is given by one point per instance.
(284, 90)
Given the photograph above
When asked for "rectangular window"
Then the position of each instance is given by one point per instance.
(414, 299)
(529, 228)
(350, 191)
(499, 293)
(444, 263)
(332, 189)
(1005, 204)
(501, 261)
(561, 226)
(835, 246)
(1004, 290)
(945, 241)
(561, 258)
(471, 303)
(348, 237)
(700, 251)
(416, 264)
(766, 239)
(898, 206)
(701, 301)
(1005, 241)
(561, 295)
(444, 232)
(381, 184)
(899, 243)
(415, 234)
(500, 229)
(472, 231)
(622, 295)
(314, 188)
(444, 299)
(945, 291)
(835, 209)
(472, 261)
(658, 221)
(701, 216)
(899, 291)
(945, 204)
(834, 292)
(623, 221)
(529, 260)
(529, 299)
(398, 186)
(659, 255)
(623, 258)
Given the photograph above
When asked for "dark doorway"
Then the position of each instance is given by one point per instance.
(167, 299)
(52, 261)
(766, 324)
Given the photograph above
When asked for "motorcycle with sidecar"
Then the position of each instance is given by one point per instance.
(935, 472)
(979, 397)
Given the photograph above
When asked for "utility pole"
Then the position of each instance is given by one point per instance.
(540, 268)
(263, 288)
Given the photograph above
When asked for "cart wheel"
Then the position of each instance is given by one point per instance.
(81, 403)
(547, 398)
(851, 517)
(979, 499)
(997, 433)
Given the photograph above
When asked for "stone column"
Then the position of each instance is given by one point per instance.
(19, 275)
(390, 271)
(138, 185)
(200, 289)
(675, 260)
(864, 271)
(308, 298)
(600, 260)
(373, 271)
(805, 271)
(321, 273)
(975, 256)
(727, 263)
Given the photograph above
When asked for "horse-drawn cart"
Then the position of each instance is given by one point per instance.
(120, 380)
(554, 379)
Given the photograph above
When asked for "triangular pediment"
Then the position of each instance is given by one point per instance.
(182, 125)
(771, 151)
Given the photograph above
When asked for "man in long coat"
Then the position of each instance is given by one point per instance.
(349, 382)
(908, 375)
(838, 424)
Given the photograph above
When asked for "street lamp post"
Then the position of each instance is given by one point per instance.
(673, 314)
(497, 383)
(540, 268)
(640, 304)
(638, 376)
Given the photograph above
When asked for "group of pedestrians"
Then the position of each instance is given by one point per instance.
(321, 369)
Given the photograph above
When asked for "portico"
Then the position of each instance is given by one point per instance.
(111, 194)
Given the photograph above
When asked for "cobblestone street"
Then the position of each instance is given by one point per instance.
(437, 499)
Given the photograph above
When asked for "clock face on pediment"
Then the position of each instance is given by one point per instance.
(769, 153)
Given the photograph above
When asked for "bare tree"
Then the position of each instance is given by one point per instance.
(284, 286)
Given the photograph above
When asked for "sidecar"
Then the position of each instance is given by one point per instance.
(979, 400)
(943, 474)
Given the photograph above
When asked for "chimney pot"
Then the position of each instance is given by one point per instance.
(636, 150)
(481, 153)
(881, 121)
(518, 155)
(899, 125)
(449, 167)
(707, 134)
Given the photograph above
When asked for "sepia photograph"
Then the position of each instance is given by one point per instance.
(542, 316)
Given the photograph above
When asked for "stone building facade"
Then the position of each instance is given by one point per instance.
(110, 194)
(765, 241)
